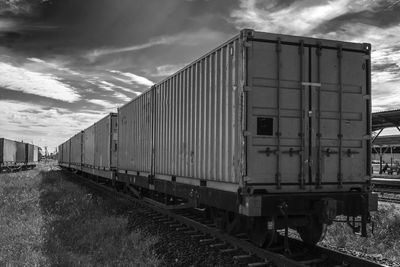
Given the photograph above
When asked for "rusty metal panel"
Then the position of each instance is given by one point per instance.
(105, 141)
(307, 113)
(8, 151)
(197, 119)
(76, 149)
(88, 146)
(135, 134)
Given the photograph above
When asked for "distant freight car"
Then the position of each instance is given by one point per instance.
(16, 155)
(100, 147)
(94, 150)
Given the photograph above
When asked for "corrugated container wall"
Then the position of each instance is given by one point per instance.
(307, 113)
(8, 150)
(197, 119)
(66, 157)
(60, 153)
(135, 133)
(88, 146)
(76, 149)
(30, 154)
(21, 152)
(35, 153)
(106, 141)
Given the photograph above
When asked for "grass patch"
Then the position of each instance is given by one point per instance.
(383, 243)
(87, 231)
(21, 221)
(48, 221)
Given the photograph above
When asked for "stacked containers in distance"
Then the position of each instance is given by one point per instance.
(88, 147)
(135, 135)
(21, 153)
(105, 156)
(8, 152)
(76, 151)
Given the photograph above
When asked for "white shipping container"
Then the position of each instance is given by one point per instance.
(273, 112)
(76, 149)
(88, 146)
(106, 142)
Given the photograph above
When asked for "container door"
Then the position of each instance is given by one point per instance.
(278, 122)
(339, 118)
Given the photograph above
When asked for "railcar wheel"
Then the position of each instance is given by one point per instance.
(311, 233)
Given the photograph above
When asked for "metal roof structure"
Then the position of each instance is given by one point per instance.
(385, 119)
(387, 140)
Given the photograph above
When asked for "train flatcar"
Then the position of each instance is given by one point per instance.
(265, 132)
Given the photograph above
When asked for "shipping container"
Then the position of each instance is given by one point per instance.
(88, 146)
(8, 151)
(21, 155)
(66, 155)
(275, 112)
(106, 137)
(30, 153)
(35, 153)
(76, 150)
(135, 134)
(60, 153)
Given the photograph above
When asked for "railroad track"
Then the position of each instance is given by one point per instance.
(389, 199)
(190, 222)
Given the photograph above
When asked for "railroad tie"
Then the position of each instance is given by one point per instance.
(228, 250)
(241, 257)
(257, 264)
(219, 245)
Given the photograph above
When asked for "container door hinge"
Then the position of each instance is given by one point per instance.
(247, 44)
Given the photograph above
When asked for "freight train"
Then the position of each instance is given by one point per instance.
(265, 132)
(15, 156)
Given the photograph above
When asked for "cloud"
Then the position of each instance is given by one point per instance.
(54, 65)
(128, 77)
(107, 105)
(47, 85)
(166, 70)
(93, 55)
(48, 126)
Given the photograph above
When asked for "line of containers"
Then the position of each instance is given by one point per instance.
(92, 150)
(17, 153)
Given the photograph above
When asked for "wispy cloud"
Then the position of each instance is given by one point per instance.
(168, 69)
(47, 125)
(93, 55)
(128, 77)
(47, 85)
(107, 105)
(53, 65)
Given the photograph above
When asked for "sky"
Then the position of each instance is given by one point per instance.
(64, 64)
